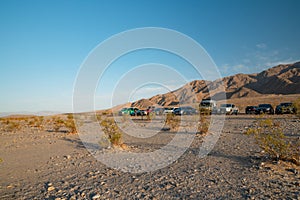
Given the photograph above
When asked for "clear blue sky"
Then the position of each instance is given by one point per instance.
(43, 43)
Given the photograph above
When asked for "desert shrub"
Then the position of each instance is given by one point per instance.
(107, 113)
(31, 122)
(99, 117)
(1, 160)
(70, 124)
(172, 121)
(58, 123)
(270, 137)
(296, 104)
(150, 116)
(112, 131)
(11, 125)
(203, 125)
(204, 111)
(37, 122)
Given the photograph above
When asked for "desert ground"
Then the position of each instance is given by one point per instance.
(38, 162)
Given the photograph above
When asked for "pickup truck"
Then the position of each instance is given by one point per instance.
(229, 109)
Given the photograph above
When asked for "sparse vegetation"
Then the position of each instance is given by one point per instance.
(99, 117)
(58, 124)
(150, 116)
(172, 121)
(11, 125)
(203, 125)
(270, 137)
(70, 124)
(296, 104)
(37, 122)
(112, 131)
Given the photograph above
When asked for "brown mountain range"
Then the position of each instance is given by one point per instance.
(281, 79)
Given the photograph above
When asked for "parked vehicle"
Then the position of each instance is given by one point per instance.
(169, 110)
(250, 109)
(124, 111)
(285, 108)
(229, 109)
(186, 110)
(207, 106)
(141, 112)
(264, 109)
(132, 111)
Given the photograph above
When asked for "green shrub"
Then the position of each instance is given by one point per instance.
(270, 137)
(112, 131)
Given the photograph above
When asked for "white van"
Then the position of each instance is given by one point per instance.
(207, 106)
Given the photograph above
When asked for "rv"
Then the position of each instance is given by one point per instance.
(207, 106)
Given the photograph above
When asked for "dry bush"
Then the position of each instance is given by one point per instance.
(270, 137)
(99, 117)
(203, 125)
(204, 111)
(11, 125)
(172, 121)
(31, 122)
(150, 116)
(296, 104)
(37, 122)
(112, 131)
(58, 124)
(70, 124)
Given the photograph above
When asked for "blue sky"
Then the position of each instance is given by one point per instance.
(44, 43)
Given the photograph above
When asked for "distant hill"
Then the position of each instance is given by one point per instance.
(27, 114)
(281, 79)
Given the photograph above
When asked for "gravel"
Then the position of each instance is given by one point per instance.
(54, 165)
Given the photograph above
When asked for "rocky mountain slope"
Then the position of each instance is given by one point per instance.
(281, 79)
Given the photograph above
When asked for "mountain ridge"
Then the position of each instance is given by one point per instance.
(282, 79)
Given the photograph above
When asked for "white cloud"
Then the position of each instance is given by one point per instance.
(228, 70)
(261, 46)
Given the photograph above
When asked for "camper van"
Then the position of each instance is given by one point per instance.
(207, 106)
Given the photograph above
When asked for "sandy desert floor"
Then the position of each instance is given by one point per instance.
(44, 164)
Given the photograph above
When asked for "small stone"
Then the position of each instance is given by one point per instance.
(73, 197)
(97, 196)
(51, 188)
(168, 186)
(68, 157)
(102, 183)
(82, 194)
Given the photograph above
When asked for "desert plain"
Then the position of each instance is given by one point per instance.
(38, 162)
